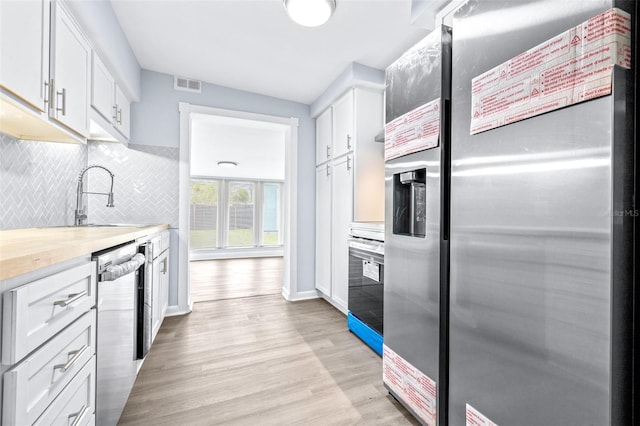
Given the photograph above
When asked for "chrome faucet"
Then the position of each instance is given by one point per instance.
(81, 215)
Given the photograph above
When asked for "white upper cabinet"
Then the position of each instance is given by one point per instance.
(49, 90)
(368, 178)
(24, 52)
(110, 106)
(343, 124)
(323, 136)
(70, 73)
(122, 116)
(102, 89)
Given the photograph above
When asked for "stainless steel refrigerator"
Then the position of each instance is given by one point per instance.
(416, 147)
(542, 214)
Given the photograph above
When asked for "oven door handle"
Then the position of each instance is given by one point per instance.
(114, 272)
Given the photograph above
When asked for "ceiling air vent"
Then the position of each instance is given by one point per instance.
(187, 85)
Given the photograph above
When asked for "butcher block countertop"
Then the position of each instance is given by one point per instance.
(25, 250)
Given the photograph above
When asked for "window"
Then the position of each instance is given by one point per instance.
(235, 214)
(204, 214)
(240, 218)
(271, 214)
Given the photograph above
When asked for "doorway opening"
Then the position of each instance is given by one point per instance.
(236, 207)
(236, 223)
(222, 279)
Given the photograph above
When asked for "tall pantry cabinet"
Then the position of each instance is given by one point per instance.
(349, 183)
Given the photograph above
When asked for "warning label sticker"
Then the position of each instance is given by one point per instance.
(414, 131)
(416, 389)
(476, 418)
(572, 67)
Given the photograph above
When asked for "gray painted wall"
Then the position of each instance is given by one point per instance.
(156, 121)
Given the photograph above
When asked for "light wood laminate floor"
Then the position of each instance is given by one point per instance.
(231, 278)
(261, 361)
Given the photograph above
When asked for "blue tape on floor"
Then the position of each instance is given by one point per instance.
(365, 333)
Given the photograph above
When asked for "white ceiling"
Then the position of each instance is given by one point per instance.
(257, 147)
(252, 45)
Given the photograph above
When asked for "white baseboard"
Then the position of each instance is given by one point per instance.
(175, 310)
(302, 295)
(235, 253)
(335, 304)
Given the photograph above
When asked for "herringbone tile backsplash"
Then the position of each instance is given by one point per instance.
(145, 186)
(38, 182)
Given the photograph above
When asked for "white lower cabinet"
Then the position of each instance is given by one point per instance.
(164, 286)
(31, 386)
(334, 213)
(158, 268)
(35, 312)
(341, 217)
(49, 345)
(160, 290)
(323, 229)
(76, 404)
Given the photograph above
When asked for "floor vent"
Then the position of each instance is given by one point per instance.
(187, 85)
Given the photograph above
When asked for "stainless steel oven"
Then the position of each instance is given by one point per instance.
(366, 284)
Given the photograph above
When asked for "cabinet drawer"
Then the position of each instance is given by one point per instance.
(76, 404)
(33, 384)
(35, 312)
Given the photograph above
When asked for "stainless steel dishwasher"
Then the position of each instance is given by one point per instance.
(118, 275)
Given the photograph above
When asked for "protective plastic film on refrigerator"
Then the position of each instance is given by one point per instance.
(542, 159)
(417, 98)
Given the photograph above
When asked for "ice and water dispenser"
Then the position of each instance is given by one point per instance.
(410, 203)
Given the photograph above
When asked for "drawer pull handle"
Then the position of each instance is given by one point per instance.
(79, 415)
(76, 356)
(72, 298)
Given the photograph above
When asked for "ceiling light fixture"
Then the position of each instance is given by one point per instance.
(227, 163)
(310, 13)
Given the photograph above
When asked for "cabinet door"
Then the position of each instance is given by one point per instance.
(31, 386)
(323, 229)
(159, 292)
(102, 89)
(76, 403)
(155, 298)
(368, 181)
(71, 65)
(323, 137)
(343, 118)
(164, 285)
(342, 216)
(24, 50)
(123, 107)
